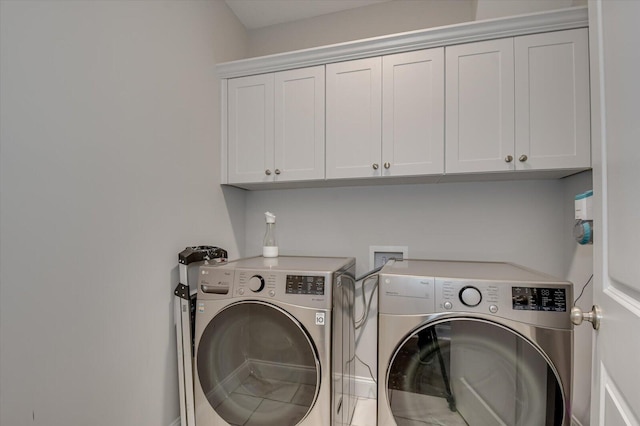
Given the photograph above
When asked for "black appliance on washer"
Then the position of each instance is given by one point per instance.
(189, 260)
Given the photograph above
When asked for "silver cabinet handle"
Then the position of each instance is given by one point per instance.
(523, 158)
(277, 171)
(375, 166)
(387, 165)
(508, 158)
(267, 172)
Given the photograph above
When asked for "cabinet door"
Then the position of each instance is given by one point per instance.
(479, 107)
(250, 129)
(413, 113)
(299, 124)
(552, 101)
(354, 91)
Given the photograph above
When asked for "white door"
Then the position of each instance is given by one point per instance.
(354, 130)
(250, 104)
(614, 34)
(479, 107)
(299, 124)
(552, 101)
(413, 113)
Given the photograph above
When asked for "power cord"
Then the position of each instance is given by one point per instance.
(366, 305)
(582, 291)
(356, 357)
(371, 272)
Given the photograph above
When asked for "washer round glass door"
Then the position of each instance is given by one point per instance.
(472, 372)
(258, 366)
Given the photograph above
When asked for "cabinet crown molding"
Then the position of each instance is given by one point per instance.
(555, 20)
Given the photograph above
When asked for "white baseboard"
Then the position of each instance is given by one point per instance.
(365, 387)
(575, 422)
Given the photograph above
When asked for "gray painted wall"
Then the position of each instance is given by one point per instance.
(354, 24)
(387, 18)
(488, 9)
(109, 146)
(109, 167)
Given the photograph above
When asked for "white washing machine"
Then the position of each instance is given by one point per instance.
(473, 344)
(275, 342)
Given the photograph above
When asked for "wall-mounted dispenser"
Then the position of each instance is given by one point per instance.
(583, 228)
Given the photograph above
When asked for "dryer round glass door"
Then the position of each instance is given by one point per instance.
(257, 365)
(472, 372)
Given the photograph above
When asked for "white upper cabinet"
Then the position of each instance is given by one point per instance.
(518, 104)
(354, 104)
(299, 124)
(479, 105)
(250, 127)
(413, 113)
(414, 107)
(552, 101)
(276, 127)
(385, 116)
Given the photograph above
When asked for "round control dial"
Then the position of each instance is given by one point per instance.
(256, 283)
(470, 296)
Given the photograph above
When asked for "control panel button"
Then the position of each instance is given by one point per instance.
(470, 296)
(241, 291)
(448, 305)
(272, 293)
(256, 283)
(493, 309)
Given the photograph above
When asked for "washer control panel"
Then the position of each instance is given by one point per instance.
(313, 290)
(305, 284)
(466, 295)
(302, 281)
(256, 283)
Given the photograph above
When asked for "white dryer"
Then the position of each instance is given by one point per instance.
(473, 344)
(275, 342)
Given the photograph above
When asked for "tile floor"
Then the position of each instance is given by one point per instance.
(256, 398)
(365, 413)
(260, 401)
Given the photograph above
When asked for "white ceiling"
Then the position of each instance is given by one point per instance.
(261, 13)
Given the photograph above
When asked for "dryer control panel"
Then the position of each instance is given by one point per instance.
(457, 295)
(542, 303)
(539, 299)
(505, 290)
(467, 295)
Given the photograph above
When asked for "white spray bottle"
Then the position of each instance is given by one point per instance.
(270, 247)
